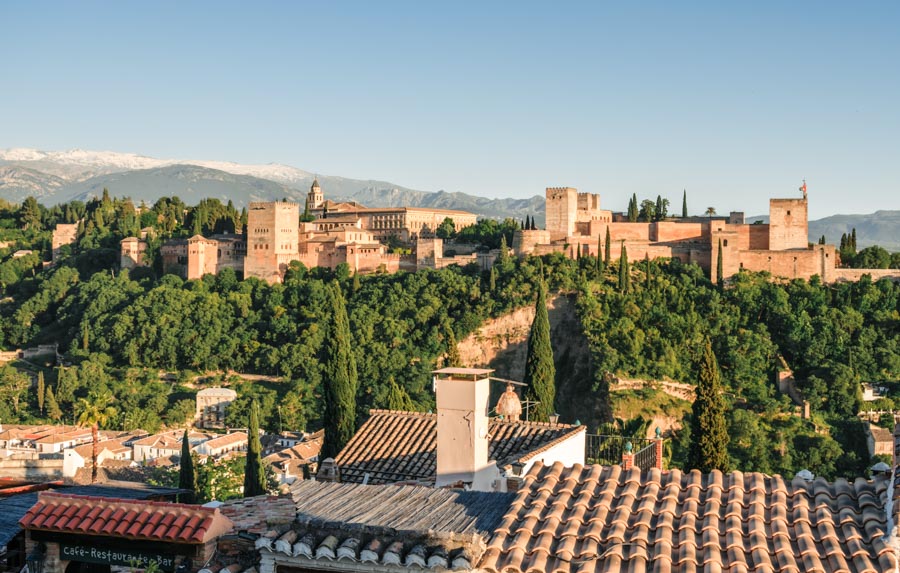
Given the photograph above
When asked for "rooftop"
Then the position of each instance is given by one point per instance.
(139, 520)
(394, 446)
(14, 507)
(600, 518)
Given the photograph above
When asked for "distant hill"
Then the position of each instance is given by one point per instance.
(880, 228)
(56, 177)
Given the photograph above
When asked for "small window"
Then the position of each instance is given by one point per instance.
(725, 243)
(789, 212)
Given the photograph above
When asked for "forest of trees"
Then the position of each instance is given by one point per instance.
(650, 319)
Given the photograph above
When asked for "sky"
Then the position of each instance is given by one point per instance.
(733, 102)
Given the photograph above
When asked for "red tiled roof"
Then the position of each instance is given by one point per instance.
(144, 520)
(394, 446)
(600, 518)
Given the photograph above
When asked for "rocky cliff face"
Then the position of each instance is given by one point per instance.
(502, 344)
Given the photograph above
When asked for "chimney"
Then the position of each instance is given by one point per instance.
(462, 427)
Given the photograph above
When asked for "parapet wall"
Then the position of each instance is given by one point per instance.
(853, 275)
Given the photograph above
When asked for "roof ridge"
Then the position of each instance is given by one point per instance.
(80, 497)
(374, 411)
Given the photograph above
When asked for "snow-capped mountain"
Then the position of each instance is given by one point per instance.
(79, 164)
(59, 176)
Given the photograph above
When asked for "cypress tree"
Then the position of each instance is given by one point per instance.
(647, 268)
(853, 239)
(843, 241)
(53, 410)
(634, 207)
(540, 372)
(624, 274)
(254, 474)
(187, 479)
(452, 360)
(493, 279)
(659, 208)
(503, 257)
(85, 339)
(340, 379)
(398, 399)
(608, 247)
(709, 435)
(720, 275)
(40, 391)
(599, 256)
(533, 224)
(684, 212)
(356, 285)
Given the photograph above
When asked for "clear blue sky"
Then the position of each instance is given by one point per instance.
(736, 102)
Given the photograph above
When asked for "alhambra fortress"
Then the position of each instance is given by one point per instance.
(575, 226)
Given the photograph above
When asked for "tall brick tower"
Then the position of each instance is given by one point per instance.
(788, 224)
(273, 233)
(561, 210)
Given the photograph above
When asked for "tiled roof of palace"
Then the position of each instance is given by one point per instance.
(600, 518)
(393, 446)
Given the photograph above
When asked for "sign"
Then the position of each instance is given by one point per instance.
(104, 555)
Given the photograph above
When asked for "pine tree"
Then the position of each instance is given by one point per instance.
(720, 275)
(53, 410)
(608, 247)
(540, 372)
(40, 391)
(684, 212)
(709, 435)
(187, 478)
(339, 380)
(398, 399)
(624, 272)
(254, 473)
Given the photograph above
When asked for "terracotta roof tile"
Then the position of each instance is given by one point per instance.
(394, 446)
(144, 520)
(594, 518)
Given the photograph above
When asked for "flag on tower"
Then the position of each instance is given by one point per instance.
(803, 187)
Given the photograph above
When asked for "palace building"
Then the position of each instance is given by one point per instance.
(340, 233)
(576, 225)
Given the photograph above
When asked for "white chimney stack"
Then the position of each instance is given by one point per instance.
(463, 395)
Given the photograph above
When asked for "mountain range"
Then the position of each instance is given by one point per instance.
(60, 176)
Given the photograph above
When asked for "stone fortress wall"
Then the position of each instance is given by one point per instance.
(577, 226)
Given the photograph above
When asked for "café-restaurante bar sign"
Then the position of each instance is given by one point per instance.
(138, 559)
